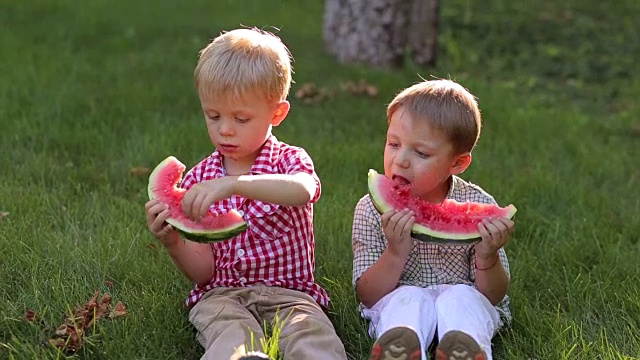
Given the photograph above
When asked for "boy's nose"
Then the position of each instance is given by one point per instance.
(225, 129)
(402, 159)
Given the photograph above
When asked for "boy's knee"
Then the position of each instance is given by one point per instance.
(409, 294)
(458, 292)
(310, 335)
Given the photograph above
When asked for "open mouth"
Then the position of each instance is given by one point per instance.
(400, 181)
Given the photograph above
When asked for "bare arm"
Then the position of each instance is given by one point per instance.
(491, 278)
(383, 276)
(284, 189)
(380, 279)
(292, 190)
(194, 260)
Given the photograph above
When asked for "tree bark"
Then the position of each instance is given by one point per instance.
(424, 42)
(379, 32)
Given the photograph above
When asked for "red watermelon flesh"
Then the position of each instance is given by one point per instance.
(164, 185)
(450, 222)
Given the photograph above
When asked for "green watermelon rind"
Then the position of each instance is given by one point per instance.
(422, 232)
(197, 235)
(207, 237)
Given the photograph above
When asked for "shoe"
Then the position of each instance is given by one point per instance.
(457, 345)
(398, 343)
(254, 355)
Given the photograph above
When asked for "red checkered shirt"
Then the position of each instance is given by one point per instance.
(277, 249)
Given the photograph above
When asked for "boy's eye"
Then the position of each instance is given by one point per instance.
(242, 120)
(422, 155)
(214, 117)
(392, 144)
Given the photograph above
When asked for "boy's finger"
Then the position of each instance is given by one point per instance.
(186, 204)
(385, 216)
(196, 205)
(492, 229)
(484, 232)
(408, 225)
(164, 215)
(150, 204)
(399, 215)
(404, 217)
(161, 218)
(153, 212)
(204, 207)
(508, 224)
(166, 229)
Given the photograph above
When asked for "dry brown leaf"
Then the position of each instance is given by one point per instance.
(635, 130)
(57, 342)
(139, 171)
(63, 329)
(119, 310)
(69, 336)
(30, 315)
(311, 94)
(360, 88)
(371, 90)
(306, 90)
(4, 214)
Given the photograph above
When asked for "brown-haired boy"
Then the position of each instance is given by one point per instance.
(409, 289)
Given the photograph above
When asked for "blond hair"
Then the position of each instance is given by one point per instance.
(447, 106)
(242, 61)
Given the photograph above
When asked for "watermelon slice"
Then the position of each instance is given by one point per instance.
(163, 185)
(451, 222)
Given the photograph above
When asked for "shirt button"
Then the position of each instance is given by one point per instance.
(267, 208)
(240, 252)
(241, 212)
(243, 279)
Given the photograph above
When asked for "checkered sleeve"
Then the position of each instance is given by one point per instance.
(367, 239)
(296, 160)
(194, 175)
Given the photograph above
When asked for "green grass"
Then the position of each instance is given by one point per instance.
(91, 90)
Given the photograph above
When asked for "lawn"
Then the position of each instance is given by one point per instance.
(95, 89)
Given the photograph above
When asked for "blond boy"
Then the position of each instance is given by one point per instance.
(409, 289)
(267, 272)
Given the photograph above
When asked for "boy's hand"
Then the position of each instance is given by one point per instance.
(397, 229)
(495, 234)
(157, 215)
(198, 199)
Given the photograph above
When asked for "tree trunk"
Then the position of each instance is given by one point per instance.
(379, 32)
(423, 43)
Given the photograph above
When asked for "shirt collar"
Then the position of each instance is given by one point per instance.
(266, 159)
(453, 180)
(264, 162)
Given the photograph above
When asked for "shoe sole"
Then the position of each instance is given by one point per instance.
(457, 345)
(400, 343)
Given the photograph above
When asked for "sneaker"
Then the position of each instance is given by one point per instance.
(457, 345)
(254, 355)
(399, 343)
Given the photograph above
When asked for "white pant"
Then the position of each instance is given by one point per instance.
(442, 307)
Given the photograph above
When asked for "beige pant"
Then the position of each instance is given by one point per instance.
(227, 318)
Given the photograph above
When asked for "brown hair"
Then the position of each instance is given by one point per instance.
(244, 60)
(447, 106)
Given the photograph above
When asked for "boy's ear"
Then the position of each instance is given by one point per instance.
(461, 163)
(280, 113)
